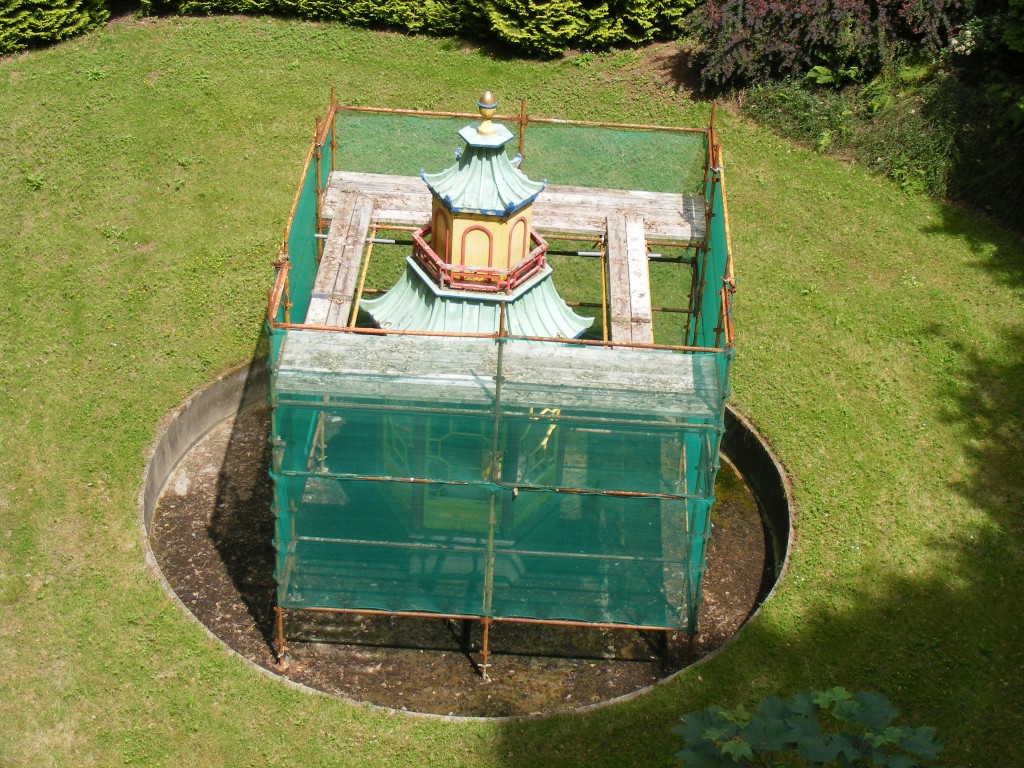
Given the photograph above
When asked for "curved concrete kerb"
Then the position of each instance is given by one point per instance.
(247, 385)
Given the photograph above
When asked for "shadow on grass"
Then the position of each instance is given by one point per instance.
(1001, 254)
(944, 642)
(915, 639)
(944, 645)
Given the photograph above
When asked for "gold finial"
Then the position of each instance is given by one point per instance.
(488, 108)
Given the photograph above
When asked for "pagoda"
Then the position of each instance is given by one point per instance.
(479, 250)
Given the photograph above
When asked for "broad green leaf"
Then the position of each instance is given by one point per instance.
(848, 711)
(714, 734)
(824, 699)
(890, 735)
(737, 749)
(846, 748)
(818, 749)
(922, 742)
(767, 730)
(803, 704)
(693, 758)
(876, 711)
(896, 761)
(695, 723)
(740, 716)
(801, 728)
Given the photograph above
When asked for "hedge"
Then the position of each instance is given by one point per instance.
(30, 23)
(542, 28)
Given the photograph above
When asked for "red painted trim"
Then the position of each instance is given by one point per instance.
(515, 259)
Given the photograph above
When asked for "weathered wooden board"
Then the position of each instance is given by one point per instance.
(629, 283)
(639, 281)
(335, 285)
(559, 209)
(403, 200)
(618, 279)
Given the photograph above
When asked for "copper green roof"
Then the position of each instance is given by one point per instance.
(417, 304)
(484, 180)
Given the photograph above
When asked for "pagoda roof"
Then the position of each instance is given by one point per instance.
(415, 303)
(484, 180)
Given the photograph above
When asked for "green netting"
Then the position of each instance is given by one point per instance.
(615, 158)
(588, 156)
(503, 479)
(371, 142)
(388, 546)
(302, 244)
(713, 270)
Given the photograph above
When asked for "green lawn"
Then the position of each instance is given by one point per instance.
(145, 175)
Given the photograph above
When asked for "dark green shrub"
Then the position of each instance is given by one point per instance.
(834, 728)
(821, 119)
(539, 27)
(438, 17)
(912, 138)
(28, 23)
(1013, 26)
(987, 171)
(930, 131)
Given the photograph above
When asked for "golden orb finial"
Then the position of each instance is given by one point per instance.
(488, 105)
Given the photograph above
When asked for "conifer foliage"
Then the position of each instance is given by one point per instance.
(542, 28)
(548, 27)
(29, 23)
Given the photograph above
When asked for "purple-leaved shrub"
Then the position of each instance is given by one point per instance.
(749, 40)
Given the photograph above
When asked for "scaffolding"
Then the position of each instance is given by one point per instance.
(501, 477)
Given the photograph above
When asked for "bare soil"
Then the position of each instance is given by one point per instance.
(212, 539)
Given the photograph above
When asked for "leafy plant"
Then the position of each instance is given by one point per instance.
(822, 75)
(826, 728)
(876, 95)
(821, 119)
(35, 181)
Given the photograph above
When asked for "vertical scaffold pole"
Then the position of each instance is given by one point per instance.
(493, 476)
(604, 288)
(485, 650)
(318, 158)
(522, 125)
(334, 132)
(280, 649)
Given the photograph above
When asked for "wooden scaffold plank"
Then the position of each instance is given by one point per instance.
(331, 302)
(560, 209)
(629, 283)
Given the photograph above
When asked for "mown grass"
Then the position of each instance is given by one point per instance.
(146, 173)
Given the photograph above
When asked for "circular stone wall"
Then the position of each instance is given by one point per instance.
(207, 526)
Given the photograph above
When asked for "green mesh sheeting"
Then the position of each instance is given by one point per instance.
(615, 158)
(476, 477)
(657, 161)
(712, 264)
(505, 479)
(371, 142)
(302, 244)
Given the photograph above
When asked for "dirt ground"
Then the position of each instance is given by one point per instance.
(212, 538)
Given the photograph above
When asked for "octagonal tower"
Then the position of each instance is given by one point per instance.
(481, 214)
(479, 258)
